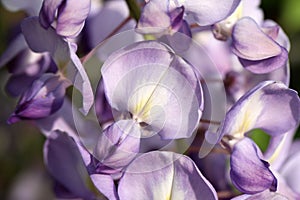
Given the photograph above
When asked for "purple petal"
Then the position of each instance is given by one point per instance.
(65, 164)
(208, 12)
(68, 24)
(185, 29)
(266, 65)
(118, 145)
(244, 45)
(160, 16)
(249, 173)
(170, 88)
(263, 107)
(48, 11)
(176, 17)
(105, 184)
(257, 51)
(43, 98)
(164, 175)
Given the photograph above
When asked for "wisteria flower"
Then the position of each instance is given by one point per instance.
(42, 99)
(262, 108)
(160, 17)
(148, 83)
(63, 53)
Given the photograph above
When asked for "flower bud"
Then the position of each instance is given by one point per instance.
(44, 97)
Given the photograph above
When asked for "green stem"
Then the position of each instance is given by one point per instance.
(135, 11)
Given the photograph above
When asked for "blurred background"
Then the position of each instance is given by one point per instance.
(21, 160)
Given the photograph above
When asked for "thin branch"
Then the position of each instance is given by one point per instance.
(85, 58)
(209, 121)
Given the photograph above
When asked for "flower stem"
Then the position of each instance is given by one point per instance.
(135, 11)
(209, 121)
(85, 58)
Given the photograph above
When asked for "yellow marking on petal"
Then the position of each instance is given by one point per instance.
(248, 116)
(145, 98)
(236, 15)
(142, 107)
(277, 151)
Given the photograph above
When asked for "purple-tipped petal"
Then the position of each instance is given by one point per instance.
(164, 175)
(118, 146)
(43, 98)
(152, 83)
(263, 107)
(64, 162)
(257, 51)
(208, 12)
(266, 65)
(68, 23)
(249, 173)
(258, 46)
(48, 12)
(160, 17)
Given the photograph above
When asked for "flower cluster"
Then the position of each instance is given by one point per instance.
(182, 86)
